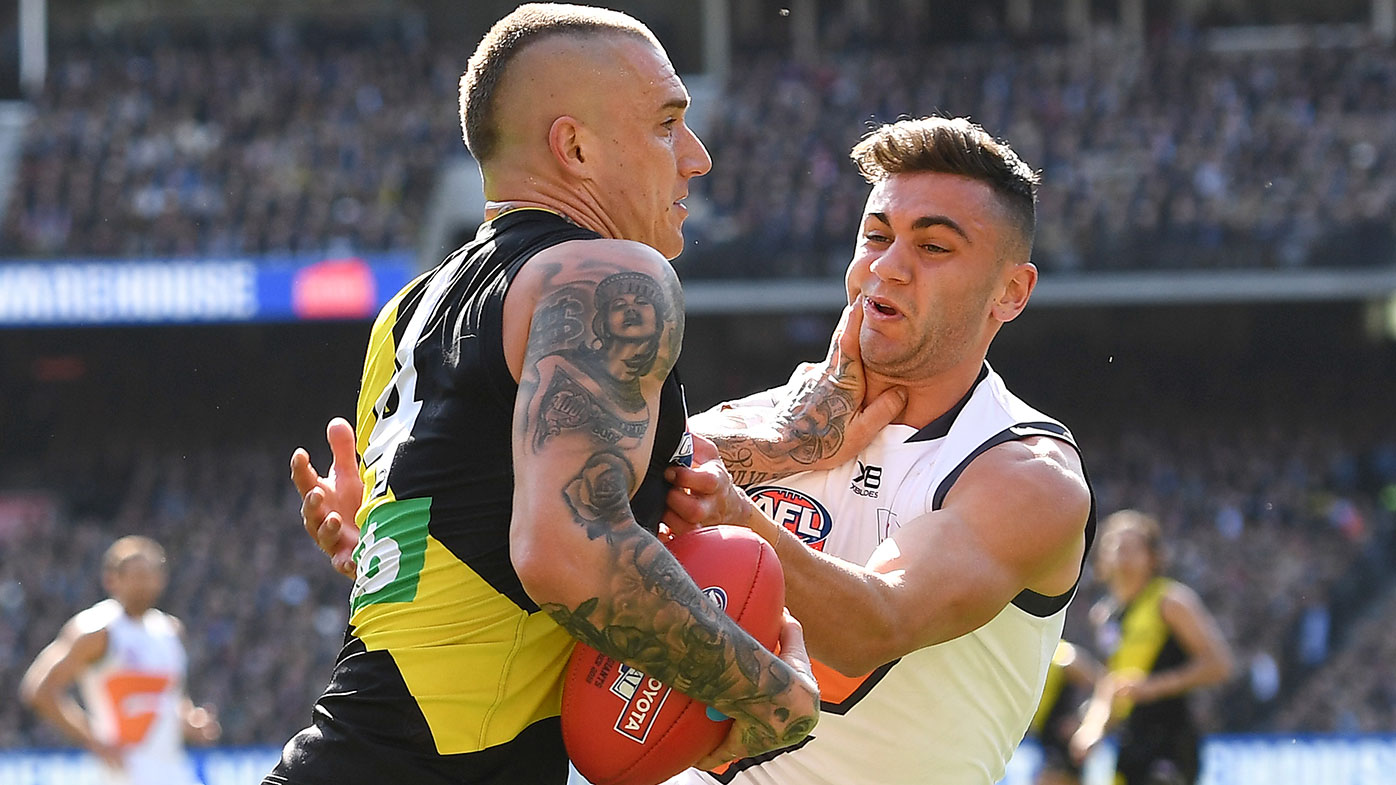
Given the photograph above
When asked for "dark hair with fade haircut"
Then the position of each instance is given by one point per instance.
(952, 146)
(508, 36)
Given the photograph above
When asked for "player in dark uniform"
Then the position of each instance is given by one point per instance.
(1162, 644)
(1070, 680)
(514, 400)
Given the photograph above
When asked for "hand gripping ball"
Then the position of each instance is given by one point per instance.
(621, 726)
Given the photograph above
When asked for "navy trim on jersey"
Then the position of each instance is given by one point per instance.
(840, 708)
(940, 426)
(1039, 605)
(742, 765)
(843, 706)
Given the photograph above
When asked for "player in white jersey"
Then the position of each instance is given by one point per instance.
(129, 663)
(931, 572)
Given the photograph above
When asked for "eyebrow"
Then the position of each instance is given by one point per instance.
(677, 103)
(927, 221)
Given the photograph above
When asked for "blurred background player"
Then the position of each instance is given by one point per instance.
(1070, 680)
(128, 660)
(1162, 644)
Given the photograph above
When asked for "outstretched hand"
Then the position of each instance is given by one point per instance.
(329, 504)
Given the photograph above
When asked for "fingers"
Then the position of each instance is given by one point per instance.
(330, 532)
(876, 415)
(313, 512)
(849, 328)
(792, 645)
(704, 449)
(729, 750)
(303, 474)
(674, 525)
(706, 478)
(340, 435)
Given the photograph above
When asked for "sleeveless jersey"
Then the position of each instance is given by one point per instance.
(952, 713)
(450, 672)
(133, 693)
(1139, 641)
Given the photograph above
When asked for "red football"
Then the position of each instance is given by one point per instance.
(622, 727)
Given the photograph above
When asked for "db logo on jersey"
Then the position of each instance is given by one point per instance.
(796, 511)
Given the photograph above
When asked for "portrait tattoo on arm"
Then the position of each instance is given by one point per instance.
(596, 347)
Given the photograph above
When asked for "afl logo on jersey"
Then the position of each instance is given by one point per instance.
(801, 513)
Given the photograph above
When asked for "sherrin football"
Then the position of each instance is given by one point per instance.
(622, 727)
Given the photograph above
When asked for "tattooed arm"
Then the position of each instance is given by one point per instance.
(818, 421)
(599, 334)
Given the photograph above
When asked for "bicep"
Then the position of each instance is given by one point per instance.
(959, 566)
(947, 580)
(1196, 628)
(62, 661)
(602, 338)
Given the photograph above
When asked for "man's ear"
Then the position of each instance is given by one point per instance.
(565, 142)
(1021, 280)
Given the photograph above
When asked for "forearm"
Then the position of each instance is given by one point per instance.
(1192, 675)
(844, 607)
(63, 713)
(756, 451)
(651, 615)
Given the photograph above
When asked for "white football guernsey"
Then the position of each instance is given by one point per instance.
(133, 694)
(949, 714)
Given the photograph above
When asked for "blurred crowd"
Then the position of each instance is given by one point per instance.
(310, 140)
(1280, 530)
(1170, 156)
(315, 140)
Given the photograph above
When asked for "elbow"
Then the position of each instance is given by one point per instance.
(856, 664)
(33, 693)
(1225, 667)
(872, 645)
(550, 570)
(537, 569)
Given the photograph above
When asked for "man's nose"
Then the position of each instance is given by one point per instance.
(893, 264)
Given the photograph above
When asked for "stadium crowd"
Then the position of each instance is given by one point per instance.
(1170, 157)
(318, 139)
(306, 140)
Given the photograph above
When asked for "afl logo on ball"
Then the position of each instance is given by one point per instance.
(717, 596)
(796, 511)
(644, 696)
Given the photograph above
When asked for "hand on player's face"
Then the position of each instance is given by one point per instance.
(825, 406)
(329, 504)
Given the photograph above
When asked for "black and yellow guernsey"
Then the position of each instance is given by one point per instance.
(1147, 646)
(450, 673)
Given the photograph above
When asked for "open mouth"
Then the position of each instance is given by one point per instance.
(882, 307)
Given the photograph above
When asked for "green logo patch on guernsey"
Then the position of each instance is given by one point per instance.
(391, 553)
